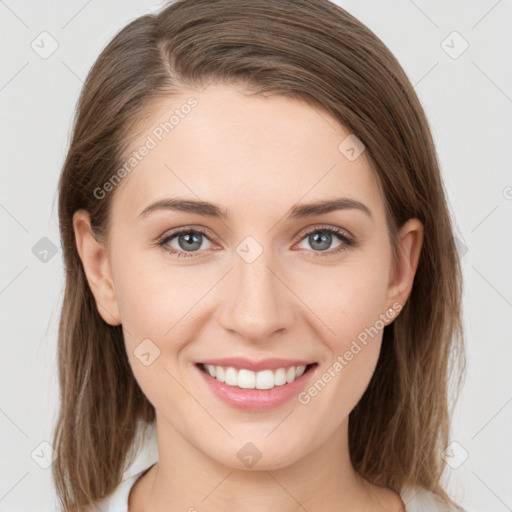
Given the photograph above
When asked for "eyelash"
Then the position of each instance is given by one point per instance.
(348, 241)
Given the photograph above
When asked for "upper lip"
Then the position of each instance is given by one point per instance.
(240, 363)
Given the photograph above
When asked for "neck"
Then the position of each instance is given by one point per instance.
(186, 479)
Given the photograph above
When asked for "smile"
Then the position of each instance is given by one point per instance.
(248, 379)
(255, 386)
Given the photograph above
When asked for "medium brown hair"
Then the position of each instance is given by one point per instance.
(307, 49)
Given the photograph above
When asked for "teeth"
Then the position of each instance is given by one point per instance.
(231, 377)
(280, 377)
(244, 379)
(247, 379)
(211, 369)
(264, 379)
(300, 371)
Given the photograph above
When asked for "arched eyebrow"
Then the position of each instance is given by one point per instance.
(297, 211)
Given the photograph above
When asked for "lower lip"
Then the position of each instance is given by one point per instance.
(256, 399)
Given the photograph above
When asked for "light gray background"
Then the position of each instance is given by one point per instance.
(468, 101)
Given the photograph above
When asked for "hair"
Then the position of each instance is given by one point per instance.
(314, 51)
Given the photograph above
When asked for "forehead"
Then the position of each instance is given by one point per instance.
(256, 155)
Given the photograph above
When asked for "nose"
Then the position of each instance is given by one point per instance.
(257, 303)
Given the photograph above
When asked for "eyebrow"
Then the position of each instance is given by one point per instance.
(213, 210)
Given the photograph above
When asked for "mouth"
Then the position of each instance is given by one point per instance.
(244, 378)
(255, 386)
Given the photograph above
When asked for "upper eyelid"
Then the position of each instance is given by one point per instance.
(187, 229)
(318, 227)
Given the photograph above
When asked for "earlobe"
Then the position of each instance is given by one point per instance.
(409, 250)
(96, 267)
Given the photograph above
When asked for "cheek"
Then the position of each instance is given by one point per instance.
(151, 296)
(159, 304)
(153, 306)
(353, 311)
(353, 346)
(346, 299)
(348, 309)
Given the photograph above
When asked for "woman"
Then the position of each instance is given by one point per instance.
(259, 264)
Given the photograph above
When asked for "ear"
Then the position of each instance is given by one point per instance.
(96, 267)
(409, 249)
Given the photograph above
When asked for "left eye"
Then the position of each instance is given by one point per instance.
(320, 239)
(188, 241)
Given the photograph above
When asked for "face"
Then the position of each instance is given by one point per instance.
(256, 282)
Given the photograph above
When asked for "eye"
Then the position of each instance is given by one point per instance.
(188, 241)
(321, 238)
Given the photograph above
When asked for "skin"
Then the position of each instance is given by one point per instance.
(257, 157)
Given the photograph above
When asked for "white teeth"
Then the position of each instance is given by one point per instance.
(247, 379)
(300, 371)
(231, 377)
(280, 377)
(211, 369)
(264, 379)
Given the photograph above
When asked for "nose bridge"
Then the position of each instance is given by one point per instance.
(257, 304)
